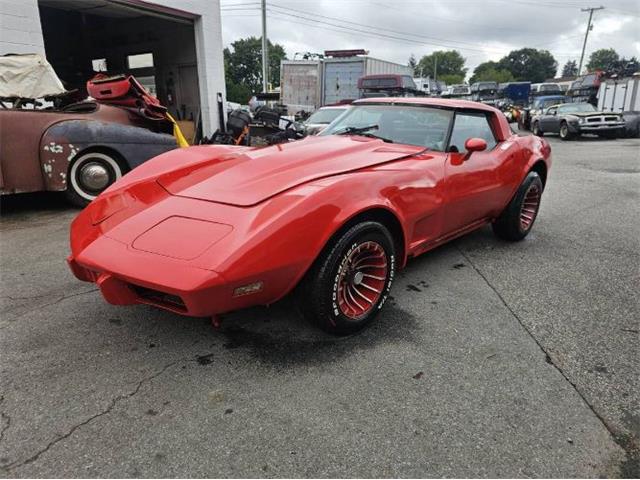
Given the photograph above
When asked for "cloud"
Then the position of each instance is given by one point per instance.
(394, 29)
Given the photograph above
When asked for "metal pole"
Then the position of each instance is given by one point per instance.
(265, 53)
(435, 68)
(586, 34)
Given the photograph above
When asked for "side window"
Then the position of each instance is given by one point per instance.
(470, 125)
(552, 111)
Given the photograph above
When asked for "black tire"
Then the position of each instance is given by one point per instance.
(535, 129)
(512, 224)
(565, 133)
(322, 289)
(81, 188)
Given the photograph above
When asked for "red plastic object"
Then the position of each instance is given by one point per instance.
(124, 91)
(191, 228)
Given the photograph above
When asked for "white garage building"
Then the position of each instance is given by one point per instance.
(174, 47)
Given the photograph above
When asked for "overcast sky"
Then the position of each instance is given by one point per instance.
(481, 30)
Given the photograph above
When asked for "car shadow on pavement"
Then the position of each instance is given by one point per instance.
(36, 203)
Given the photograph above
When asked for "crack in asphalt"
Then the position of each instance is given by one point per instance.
(628, 445)
(56, 301)
(17, 464)
(4, 417)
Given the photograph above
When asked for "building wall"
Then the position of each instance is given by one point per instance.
(208, 31)
(20, 30)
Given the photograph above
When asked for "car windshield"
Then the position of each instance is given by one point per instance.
(325, 115)
(548, 102)
(577, 108)
(411, 125)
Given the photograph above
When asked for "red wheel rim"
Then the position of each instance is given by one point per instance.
(529, 208)
(361, 279)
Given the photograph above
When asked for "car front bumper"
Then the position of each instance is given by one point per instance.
(128, 277)
(597, 127)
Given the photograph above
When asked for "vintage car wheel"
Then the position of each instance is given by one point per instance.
(535, 129)
(90, 173)
(516, 221)
(565, 133)
(350, 281)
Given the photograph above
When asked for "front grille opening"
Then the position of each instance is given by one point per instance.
(161, 299)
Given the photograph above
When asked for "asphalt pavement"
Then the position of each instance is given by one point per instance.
(491, 359)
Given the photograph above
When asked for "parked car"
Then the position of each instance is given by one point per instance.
(461, 91)
(546, 89)
(336, 214)
(574, 119)
(81, 149)
(514, 93)
(585, 88)
(485, 92)
(48, 143)
(539, 105)
(388, 85)
(321, 118)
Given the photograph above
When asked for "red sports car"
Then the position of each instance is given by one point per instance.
(215, 228)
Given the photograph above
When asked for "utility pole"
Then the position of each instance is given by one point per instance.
(586, 34)
(435, 67)
(265, 53)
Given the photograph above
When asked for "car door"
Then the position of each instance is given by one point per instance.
(472, 182)
(549, 121)
(20, 133)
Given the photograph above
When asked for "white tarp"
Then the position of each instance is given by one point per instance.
(28, 76)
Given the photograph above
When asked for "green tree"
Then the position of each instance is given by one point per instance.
(603, 59)
(449, 62)
(529, 64)
(243, 67)
(412, 63)
(492, 74)
(451, 78)
(570, 69)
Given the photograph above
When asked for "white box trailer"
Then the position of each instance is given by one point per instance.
(619, 95)
(622, 96)
(340, 76)
(300, 85)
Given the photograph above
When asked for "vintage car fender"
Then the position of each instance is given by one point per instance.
(64, 140)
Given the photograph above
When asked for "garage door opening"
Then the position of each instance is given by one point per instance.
(156, 45)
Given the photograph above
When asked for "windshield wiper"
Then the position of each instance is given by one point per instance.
(351, 130)
(364, 131)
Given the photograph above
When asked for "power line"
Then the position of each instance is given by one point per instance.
(432, 40)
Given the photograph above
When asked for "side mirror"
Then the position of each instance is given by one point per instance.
(475, 145)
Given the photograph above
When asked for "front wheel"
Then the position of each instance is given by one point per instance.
(516, 220)
(89, 175)
(565, 133)
(351, 280)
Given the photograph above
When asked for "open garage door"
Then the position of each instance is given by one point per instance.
(154, 43)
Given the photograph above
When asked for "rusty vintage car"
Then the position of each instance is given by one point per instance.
(80, 148)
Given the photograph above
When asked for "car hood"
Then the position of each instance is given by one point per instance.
(247, 177)
(592, 114)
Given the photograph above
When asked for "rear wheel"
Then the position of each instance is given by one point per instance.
(90, 173)
(516, 221)
(350, 281)
(535, 129)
